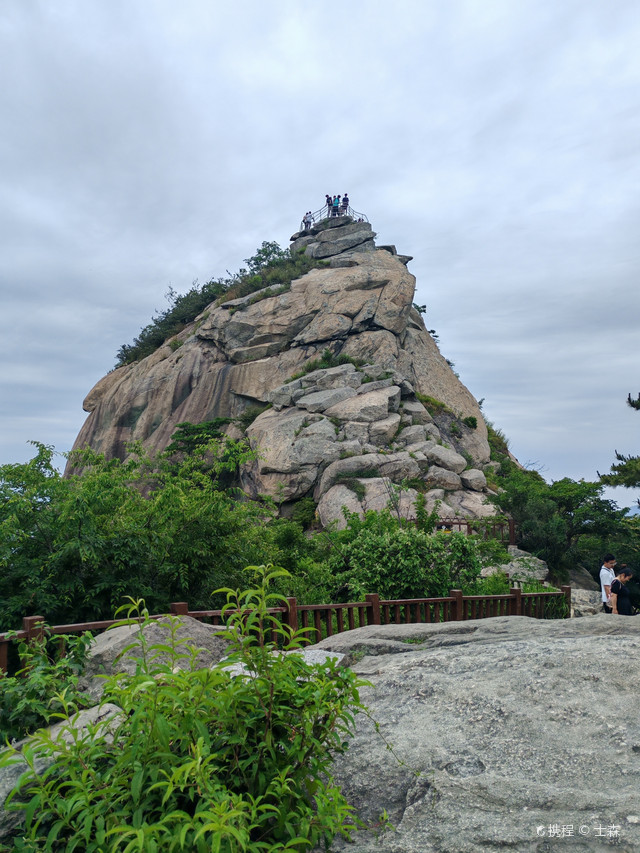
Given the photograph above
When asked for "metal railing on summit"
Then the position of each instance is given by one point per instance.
(323, 213)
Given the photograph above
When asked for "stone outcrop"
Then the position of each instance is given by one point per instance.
(242, 354)
(501, 729)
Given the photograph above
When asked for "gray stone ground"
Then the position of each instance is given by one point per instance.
(506, 733)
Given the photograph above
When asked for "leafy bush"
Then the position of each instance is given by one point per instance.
(71, 548)
(471, 421)
(379, 554)
(203, 760)
(46, 684)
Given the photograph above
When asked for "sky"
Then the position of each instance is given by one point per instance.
(148, 144)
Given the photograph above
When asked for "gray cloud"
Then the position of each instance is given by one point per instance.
(496, 142)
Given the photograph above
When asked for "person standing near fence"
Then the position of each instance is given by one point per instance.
(329, 202)
(620, 598)
(345, 204)
(607, 576)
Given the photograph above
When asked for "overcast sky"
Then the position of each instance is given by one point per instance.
(149, 143)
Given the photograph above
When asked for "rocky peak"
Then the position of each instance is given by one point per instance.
(364, 415)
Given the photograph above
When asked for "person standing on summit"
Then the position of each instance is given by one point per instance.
(345, 204)
(329, 204)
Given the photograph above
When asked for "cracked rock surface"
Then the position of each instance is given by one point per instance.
(501, 728)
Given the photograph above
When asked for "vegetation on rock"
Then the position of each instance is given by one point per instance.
(202, 759)
(45, 685)
(271, 265)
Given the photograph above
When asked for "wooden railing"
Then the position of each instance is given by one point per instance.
(325, 620)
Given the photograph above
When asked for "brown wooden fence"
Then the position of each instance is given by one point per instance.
(325, 620)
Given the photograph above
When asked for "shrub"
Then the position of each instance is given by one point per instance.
(471, 421)
(46, 684)
(378, 554)
(327, 360)
(203, 760)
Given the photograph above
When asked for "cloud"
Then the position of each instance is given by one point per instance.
(145, 148)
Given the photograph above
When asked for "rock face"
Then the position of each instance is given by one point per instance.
(507, 728)
(243, 353)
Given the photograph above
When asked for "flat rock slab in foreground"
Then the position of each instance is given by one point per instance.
(518, 728)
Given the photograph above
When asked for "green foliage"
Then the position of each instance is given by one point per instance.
(326, 360)
(471, 421)
(45, 686)
(379, 554)
(433, 406)
(201, 759)
(625, 472)
(250, 414)
(182, 310)
(188, 437)
(269, 265)
(70, 548)
(564, 523)
(304, 512)
(498, 443)
(272, 267)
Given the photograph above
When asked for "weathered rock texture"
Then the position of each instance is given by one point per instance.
(506, 727)
(243, 353)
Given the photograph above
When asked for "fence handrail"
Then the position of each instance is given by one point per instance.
(322, 214)
(455, 606)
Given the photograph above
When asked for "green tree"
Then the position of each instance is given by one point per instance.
(565, 523)
(626, 471)
(70, 548)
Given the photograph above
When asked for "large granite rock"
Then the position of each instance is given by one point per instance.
(243, 353)
(502, 730)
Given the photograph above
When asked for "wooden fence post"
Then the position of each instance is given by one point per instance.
(458, 604)
(567, 595)
(516, 604)
(34, 627)
(291, 616)
(373, 609)
(179, 608)
(4, 647)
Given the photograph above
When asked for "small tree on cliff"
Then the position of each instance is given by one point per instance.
(626, 471)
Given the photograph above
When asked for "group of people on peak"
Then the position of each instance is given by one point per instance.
(335, 205)
(615, 595)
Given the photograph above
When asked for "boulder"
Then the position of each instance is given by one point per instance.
(370, 406)
(473, 479)
(383, 431)
(117, 649)
(441, 478)
(417, 412)
(580, 578)
(586, 602)
(319, 401)
(395, 466)
(379, 493)
(444, 457)
(501, 729)
(470, 504)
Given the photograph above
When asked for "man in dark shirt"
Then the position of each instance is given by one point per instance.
(620, 598)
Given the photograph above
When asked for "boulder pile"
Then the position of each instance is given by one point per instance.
(392, 412)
